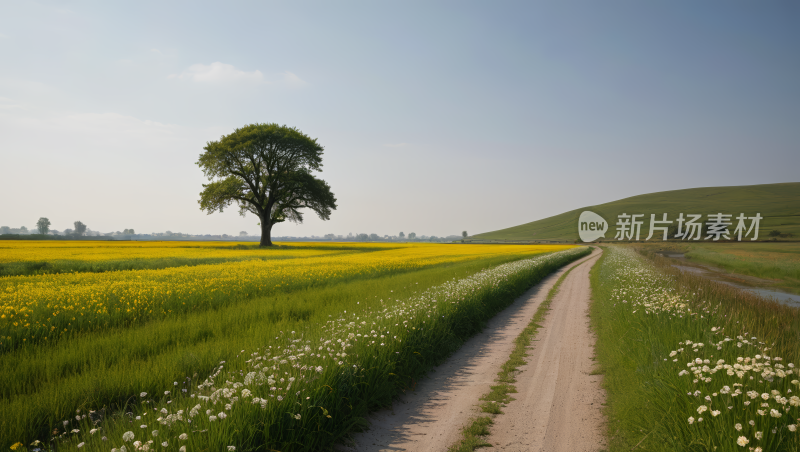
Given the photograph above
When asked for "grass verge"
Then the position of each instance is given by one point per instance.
(690, 364)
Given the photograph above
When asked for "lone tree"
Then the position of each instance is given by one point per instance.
(43, 225)
(265, 169)
(80, 228)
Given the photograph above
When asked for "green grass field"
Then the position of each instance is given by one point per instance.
(779, 204)
(775, 264)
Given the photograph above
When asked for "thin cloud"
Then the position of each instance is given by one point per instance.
(292, 79)
(396, 145)
(218, 73)
(6, 103)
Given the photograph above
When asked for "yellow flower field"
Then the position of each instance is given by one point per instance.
(33, 251)
(46, 307)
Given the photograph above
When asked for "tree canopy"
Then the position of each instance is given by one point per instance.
(265, 169)
(80, 228)
(43, 225)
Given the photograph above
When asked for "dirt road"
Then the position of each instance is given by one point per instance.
(558, 405)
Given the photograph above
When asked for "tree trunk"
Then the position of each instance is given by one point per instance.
(266, 232)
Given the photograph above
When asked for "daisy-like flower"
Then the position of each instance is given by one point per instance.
(759, 435)
(183, 437)
(81, 445)
(691, 420)
(775, 413)
(127, 437)
(715, 413)
(738, 427)
(297, 416)
(701, 409)
(742, 441)
(164, 444)
(792, 427)
(231, 448)
(144, 394)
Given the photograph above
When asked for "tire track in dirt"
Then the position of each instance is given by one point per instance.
(430, 418)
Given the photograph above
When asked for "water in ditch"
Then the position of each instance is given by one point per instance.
(680, 262)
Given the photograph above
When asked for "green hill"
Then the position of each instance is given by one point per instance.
(779, 204)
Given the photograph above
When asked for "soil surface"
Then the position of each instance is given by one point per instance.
(558, 406)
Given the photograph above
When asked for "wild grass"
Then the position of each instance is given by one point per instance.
(106, 371)
(690, 364)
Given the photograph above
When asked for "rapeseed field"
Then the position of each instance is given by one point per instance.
(47, 307)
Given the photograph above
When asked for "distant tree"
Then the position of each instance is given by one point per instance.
(128, 232)
(265, 169)
(43, 225)
(80, 228)
(23, 230)
(67, 231)
(5, 230)
(374, 237)
(330, 236)
(363, 237)
(401, 235)
(243, 234)
(412, 236)
(464, 234)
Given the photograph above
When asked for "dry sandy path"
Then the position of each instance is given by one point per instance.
(558, 406)
(431, 418)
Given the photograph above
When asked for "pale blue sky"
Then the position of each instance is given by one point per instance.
(436, 116)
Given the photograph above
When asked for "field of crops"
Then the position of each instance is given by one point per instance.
(287, 347)
(691, 364)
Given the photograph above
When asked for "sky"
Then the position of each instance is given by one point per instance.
(436, 117)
